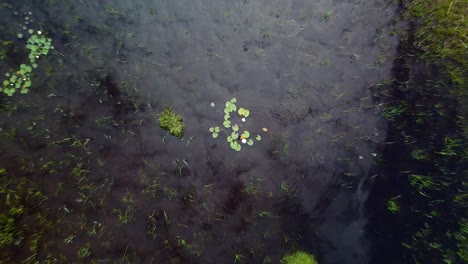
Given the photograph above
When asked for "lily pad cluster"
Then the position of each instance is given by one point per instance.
(234, 136)
(20, 80)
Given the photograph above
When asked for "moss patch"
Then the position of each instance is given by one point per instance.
(171, 122)
(299, 257)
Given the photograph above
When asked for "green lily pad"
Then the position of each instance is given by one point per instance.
(5, 82)
(211, 129)
(27, 84)
(217, 129)
(235, 128)
(233, 108)
(233, 100)
(250, 142)
(258, 138)
(215, 135)
(234, 145)
(246, 134)
(235, 135)
(212, 104)
(229, 139)
(227, 123)
(227, 116)
(246, 113)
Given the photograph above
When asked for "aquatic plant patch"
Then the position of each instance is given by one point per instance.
(20, 79)
(299, 257)
(234, 136)
(171, 122)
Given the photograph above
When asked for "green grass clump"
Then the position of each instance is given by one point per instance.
(171, 122)
(299, 257)
(442, 34)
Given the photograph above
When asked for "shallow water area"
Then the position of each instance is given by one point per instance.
(87, 133)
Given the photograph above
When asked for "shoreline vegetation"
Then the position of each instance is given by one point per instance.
(424, 171)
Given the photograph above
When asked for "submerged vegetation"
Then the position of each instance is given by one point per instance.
(427, 154)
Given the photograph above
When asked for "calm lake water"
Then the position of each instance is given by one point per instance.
(87, 134)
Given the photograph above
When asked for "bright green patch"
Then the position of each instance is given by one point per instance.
(171, 122)
(299, 257)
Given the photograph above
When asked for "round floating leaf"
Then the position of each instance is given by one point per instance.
(211, 129)
(233, 108)
(226, 111)
(217, 129)
(250, 142)
(30, 31)
(238, 148)
(233, 144)
(227, 116)
(34, 65)
(212, 104)
(227, 123)
(20, 35)
(246, 134)
(229, 139)
(228, 104)
(258, 138)
(234, 100)
(27, 84)
(7, 74)
(215, 135)
(235, 128)
(241, 111)
(5, 82)
(234, 135)
(246, 113)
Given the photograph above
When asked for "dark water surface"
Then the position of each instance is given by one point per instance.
(137, 195)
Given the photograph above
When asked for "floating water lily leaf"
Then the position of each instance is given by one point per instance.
(211, 129)
(234, 135)
(212, 104)
(217, 129)
(227, 123)
(233, 100)
(246, 113)
(238, 148)
(228, 104)
(229, 139)
(250, 142)
(227, 116)
(226, 111)
(20, 35)
(241, 111)
(6, 82)
(235, 127)
(246, 134)
(258, 138)
(215, 135)
(233, 144)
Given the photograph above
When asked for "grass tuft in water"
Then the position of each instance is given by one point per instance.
(171, 122)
